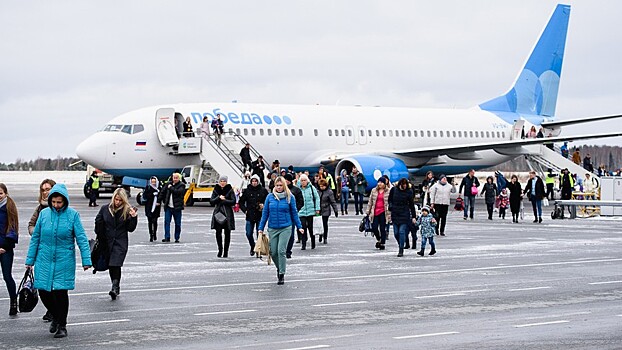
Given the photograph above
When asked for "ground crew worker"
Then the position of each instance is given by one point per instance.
(93, 188)
(331, 183)
(550, 184)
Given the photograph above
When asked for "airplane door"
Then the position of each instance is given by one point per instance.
(165, 127)
(362, 135)
(349, 135)
(517, 129)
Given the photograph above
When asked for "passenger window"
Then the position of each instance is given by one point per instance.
(285, 132)
(127, 129)
(237, 131)
(477, 134)
(300, 132)
(277, 132)
(454, 133)
(471, 134)
(253, 132)
(230, 131)
(138, 128)
(487, 134)
(429, 133)
(261, 132)
(245, 132)
(404, 133)
(409, 134)
(384, 133)
(448, 133)
(482, 134)
(315, 132)
(434, 133)
(269, 132)
(415, 133)
(330, 132)
(498, 134)
(440, 133)
(362, 132)
(390, 133)
(343, 133)
(293, 132)
(460, 133)
(378, 133)
(369, 133)
(503, 134)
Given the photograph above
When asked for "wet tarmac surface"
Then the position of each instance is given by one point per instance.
(492, 285)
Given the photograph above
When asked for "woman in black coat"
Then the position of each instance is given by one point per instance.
(152, 207)
(112, 224)
(402, 208)
(223, 198)
(251, 202)
(515, 197)
(489, 190)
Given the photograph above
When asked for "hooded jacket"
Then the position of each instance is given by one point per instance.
(225, 205)
(327, 200)
(489, 190)
(52, 245)
(401, 205)
(252, 199)
(311, 201)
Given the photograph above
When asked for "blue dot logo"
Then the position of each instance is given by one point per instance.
(267, 119)
(277, 119)
(287, 120)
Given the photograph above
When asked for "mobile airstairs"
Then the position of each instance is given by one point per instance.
(222, 156)
(540, 158)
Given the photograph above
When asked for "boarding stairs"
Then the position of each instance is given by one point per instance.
(541, 158)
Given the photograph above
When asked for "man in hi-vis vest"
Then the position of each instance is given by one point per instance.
(93, 187)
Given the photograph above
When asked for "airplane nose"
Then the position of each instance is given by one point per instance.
(93, 150)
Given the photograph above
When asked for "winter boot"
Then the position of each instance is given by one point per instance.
(53, 326)
(433, 251)
(407, 244)
(13, 307)
(420, 253)
(281, 279)
(61, 332)
(400, 253)
(312, 241)
(325, 238)
(114, 291)
(320, 237)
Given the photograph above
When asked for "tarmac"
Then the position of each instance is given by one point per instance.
(492, 285)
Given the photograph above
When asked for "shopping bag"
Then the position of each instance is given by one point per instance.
(28, 296)
(262, 246)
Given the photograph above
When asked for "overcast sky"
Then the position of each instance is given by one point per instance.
(67, 67)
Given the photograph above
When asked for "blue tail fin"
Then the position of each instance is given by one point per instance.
(535, 90)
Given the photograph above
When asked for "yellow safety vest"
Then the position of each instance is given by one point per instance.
(550, 179)
(95, 184)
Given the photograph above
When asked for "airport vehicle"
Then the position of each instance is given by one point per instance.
(407, 141)
(200, 181)
(108, 183)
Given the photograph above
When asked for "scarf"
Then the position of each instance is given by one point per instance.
(3, 202)
(279, 195)
(155, 193)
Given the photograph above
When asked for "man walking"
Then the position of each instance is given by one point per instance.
(470, 184)
(172, 199)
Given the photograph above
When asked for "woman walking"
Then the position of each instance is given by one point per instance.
(280, 214)
(52, 252)
(44, 190)
(327, 201)
(152, 207)
(440, 197)
(489, 191)
(309, 210)
(403, 214)
(9, 233)
(345, 183)
(251, 203)
(378, 212)
(515, 197)
(112, 224)
(223, 199)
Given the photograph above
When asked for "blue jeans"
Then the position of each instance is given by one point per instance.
(345, 193)
(469, 203)
(424, 241)
(176, 215)
(537, 208)
(249, 232)
(380, 223)
(400, 231)
(358, 202)
(6, 262)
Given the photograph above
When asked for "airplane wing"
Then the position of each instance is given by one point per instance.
(556, 124)
(503, 147)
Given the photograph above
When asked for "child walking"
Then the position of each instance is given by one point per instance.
(427, 226)
(504, 202)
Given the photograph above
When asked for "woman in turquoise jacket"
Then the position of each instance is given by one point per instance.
(52, 253)
(309, 210)
(279, 213)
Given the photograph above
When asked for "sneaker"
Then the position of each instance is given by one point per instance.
(61, 332)
(47, 317)
(166, 240)
(442, 233)
(176, 241)
(465, 218)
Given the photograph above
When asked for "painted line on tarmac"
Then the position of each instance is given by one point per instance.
(310, 347)
(363, 277)
(605, 282)
(540, 324)
(344, 303)
(424, 335)
(225, 312)
(98, 322)
(440, 296)
(271, 344)
(556, 316)
(523, 289)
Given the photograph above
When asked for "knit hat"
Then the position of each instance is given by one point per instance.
(289, 177)
(426, 208)
(383, 180)
(255, 177)
(223, 178)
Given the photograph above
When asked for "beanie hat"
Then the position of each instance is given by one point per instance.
(289, 177)
(255, 177)
(223, 178)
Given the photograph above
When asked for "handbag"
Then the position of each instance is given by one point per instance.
(28, 295)
(365, 225)
(219, 216)
(99, 256)
(474, 190)
(262, 246)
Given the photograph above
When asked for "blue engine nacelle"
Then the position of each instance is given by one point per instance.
(373, 167)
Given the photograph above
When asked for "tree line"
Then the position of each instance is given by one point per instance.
(47, 164)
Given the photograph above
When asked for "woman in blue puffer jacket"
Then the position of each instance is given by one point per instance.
(279, 213)
(52, 252)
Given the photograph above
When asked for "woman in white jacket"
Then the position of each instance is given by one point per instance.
(440, 198)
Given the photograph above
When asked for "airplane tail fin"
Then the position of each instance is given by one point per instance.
(535, 90)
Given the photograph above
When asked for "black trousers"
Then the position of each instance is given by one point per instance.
(219, 230)
(57, 303)
(325, 225)
(307, 226)
(490, 207)
(550, 194)
(152, 223)
(441, 216)
(93, 196)
(114, 272)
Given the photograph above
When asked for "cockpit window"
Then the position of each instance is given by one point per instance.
(113, 127)
(138, 128)
(127, 129)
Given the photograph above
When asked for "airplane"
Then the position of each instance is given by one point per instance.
(397, 142)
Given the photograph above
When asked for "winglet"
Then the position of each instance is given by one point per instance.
(535, 90)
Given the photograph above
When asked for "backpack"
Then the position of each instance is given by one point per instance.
(28, 295)
(459, 204)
